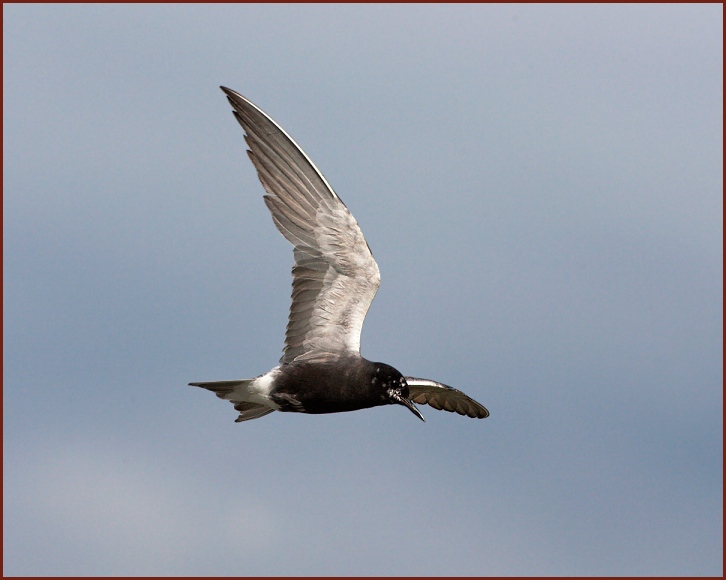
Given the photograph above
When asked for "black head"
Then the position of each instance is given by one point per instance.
(394, 386)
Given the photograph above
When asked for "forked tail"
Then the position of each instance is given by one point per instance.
(239, 394)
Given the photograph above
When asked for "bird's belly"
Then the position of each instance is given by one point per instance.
(319, 389)
(319, 406)
(331, 400)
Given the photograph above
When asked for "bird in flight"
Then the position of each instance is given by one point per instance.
(334, 281)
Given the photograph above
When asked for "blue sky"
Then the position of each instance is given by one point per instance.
(542, 189)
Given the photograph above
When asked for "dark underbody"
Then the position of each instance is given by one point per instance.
(334, 386)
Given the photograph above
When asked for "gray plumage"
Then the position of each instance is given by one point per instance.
(335, 279)
(335, 276)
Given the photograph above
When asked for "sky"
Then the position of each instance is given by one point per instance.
(541, 186)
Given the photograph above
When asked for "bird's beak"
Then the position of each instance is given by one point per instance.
(409, 404)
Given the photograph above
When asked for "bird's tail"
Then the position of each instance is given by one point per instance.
(238, 393)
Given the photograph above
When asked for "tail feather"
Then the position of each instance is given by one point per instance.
(248, 411)
(222, 388)
(237, 393)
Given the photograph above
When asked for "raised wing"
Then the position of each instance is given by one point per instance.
(443, 397)
(335, 276)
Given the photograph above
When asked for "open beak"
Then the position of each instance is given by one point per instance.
(409, 404)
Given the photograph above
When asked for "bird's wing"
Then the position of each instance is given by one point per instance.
(335, 276)
(443, 397)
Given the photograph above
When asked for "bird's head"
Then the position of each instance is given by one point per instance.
(395, 387)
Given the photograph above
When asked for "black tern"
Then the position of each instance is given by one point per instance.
(334, 281)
